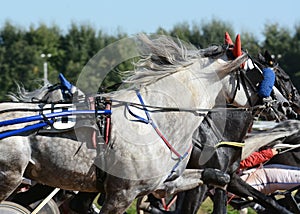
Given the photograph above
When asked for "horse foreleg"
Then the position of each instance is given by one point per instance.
(189, 179)
(119, 194)
(220, 201)
(190, 201)
(117, 202)
(9, 181)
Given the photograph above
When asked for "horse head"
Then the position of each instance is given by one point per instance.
(238, 90)
(283, 83)
(248, 85)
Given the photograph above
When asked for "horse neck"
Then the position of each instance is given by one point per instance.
(189, 88)
(228, 125)
(201, 85)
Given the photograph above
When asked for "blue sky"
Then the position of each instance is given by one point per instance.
(135, 16)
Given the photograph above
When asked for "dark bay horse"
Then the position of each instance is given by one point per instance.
(225, 157)
(208, 152)
(283, 82)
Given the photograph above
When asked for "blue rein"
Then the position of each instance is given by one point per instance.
(25, 129)
(50, 115)
(48, 119)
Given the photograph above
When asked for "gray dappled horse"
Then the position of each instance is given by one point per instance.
(30, 99)
(182, 76)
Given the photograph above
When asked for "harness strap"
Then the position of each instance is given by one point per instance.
(166, 205)
(148, 120)
(236, 88)
(230, 143)
(50, 123)
(243, 81)
(94, 134)
(107, 122)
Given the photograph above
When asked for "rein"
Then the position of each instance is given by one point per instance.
(50, 115)
(176, 109)
(48, 120)
(242, 80)
(25, 129)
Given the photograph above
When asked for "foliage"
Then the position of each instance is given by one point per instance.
(21, 49)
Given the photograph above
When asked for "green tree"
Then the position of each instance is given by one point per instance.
(45, 40)
(79, 45)
(16, 60)
(213, 32)
(290, 60)
(21, 49)
(277, 39)
(204, 34)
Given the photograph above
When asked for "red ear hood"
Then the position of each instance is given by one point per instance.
(237, 50)
(227, 39)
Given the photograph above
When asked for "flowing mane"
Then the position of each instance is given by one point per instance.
(22, 95)
(164, 56)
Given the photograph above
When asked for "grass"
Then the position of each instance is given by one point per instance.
(207, 207)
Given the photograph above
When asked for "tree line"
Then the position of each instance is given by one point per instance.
(21, 49)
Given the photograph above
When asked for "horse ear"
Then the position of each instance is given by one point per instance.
(237, 50)
(227, 39)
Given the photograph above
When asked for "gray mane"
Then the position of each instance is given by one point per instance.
(163, 56)
(22, 95)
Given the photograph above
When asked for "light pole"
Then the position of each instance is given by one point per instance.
(46, 56)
